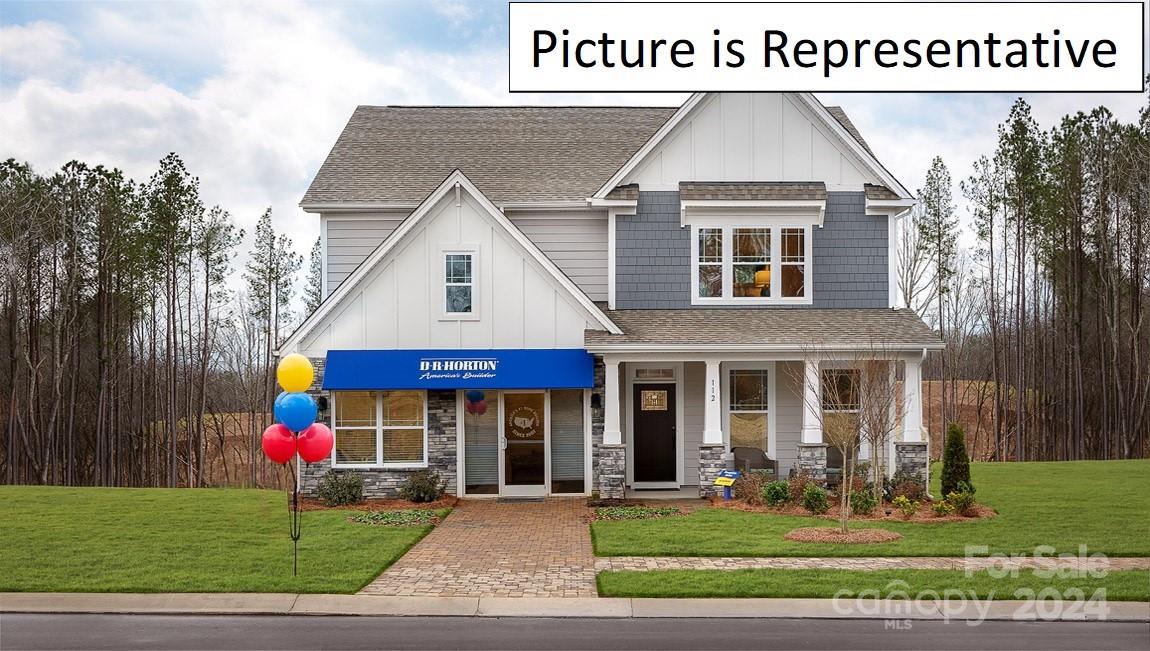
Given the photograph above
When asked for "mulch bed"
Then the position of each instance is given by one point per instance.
(836, 536)
(312, 504)
(924, 515)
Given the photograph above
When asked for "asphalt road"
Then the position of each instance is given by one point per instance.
(426, 633)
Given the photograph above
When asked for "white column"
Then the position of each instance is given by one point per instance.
(612, 434)
(712, 419)
(912, 402)
(812, 402)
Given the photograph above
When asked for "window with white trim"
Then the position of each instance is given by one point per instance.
(751, 263)
(749, 418)
(842, 401)
(379, 428)
(458, 283)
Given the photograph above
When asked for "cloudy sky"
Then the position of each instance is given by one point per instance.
(252, 95)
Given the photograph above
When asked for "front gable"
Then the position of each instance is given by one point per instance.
(753, 137)
(396, 299)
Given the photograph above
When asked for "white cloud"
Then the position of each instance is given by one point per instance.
(36, 48)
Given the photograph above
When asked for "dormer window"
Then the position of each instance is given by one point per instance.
(748, 263)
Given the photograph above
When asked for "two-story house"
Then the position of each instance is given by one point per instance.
(564, 300)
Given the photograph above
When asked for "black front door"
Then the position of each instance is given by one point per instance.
(654, 428)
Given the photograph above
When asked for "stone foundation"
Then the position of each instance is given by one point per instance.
(914, 459)
(813, 459)
(441, 454)
(612, 460)
(713, 458)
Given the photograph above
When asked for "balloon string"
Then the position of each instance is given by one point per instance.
(295, 522)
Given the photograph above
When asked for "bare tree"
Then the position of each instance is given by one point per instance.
(914, 271)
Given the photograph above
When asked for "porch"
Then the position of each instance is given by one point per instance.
(676, 413)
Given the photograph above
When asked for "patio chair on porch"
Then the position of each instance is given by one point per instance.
(748, 459)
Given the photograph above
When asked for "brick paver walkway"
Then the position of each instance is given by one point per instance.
(487, 548)
(874, 563)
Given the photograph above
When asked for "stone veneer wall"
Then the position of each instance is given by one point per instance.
(441, 447)
(597, 420)
(612, 471)
(713, 458)
(913, 458)
(813, 459)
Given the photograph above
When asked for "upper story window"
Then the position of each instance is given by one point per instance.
(739, 264)
(460, 289)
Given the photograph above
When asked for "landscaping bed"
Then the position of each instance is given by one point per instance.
(380, 504)
(923, 515)
(401, 517)
(836, 536)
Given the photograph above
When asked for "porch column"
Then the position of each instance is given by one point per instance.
(912, 402)
(612, 457)
(612, 433)
(712, 419)
(812, 402)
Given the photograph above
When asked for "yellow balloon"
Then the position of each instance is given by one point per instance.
(295, 373)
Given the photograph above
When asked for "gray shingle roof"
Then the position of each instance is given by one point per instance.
(876, 328)
(878, 192)
(519, 153)
(839, 114)
(723, 190)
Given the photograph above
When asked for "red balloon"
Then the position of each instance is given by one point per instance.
(279, 443)
(480, 407)
(315, 443)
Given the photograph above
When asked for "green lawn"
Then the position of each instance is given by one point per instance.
(183, 540)
(1120, 586)
(1101, 504)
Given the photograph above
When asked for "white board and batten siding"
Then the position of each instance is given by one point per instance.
(751, 137)
(575, 241)
(399, 303)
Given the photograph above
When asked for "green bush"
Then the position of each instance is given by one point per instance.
(339, 488)
(815, 499)
(776, 493)
(961, 502)
(955, 462)
(908, 506)
(863, 502)
(422, 486)
(942, 508)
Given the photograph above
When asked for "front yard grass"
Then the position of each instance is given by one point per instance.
(183, 540)
(1100, 504)
(1127, 585)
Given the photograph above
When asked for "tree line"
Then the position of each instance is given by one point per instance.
(132, 356)
(1044, 312)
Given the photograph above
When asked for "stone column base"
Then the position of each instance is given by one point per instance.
(612, 471)
(913, 458)
(713, 458)
(813, 459)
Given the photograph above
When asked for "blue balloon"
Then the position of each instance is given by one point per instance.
(296, 411)
(474, 396)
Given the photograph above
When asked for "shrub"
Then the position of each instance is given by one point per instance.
(908, 506)
(955, 462)
(749, 487)
(942, 508)
(863, 502)
(339, 488)
(912, 489)
(797, 486)
(422, 486)
(963, 503)
(815, 499)
(776, 493)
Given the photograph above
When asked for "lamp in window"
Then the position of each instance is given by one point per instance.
(763, 281)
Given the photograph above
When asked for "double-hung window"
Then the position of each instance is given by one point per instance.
(750, 409)
(842, 401)
(380, 428)
(739, 263)
(460, 287)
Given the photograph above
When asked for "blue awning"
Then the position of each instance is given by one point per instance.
(351, 370)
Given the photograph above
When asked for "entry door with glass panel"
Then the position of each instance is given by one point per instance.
(524, 440)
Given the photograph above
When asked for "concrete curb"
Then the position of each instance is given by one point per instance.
(338, 604)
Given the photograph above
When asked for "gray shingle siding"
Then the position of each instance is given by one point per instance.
(653, 255)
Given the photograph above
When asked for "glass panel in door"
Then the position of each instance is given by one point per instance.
(524, 455)
(481, 442)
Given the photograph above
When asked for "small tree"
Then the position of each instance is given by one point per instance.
(955, 462)
(877, 400)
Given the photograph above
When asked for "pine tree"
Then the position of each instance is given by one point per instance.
(955, 462)
(938, 234)
(313, 291)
